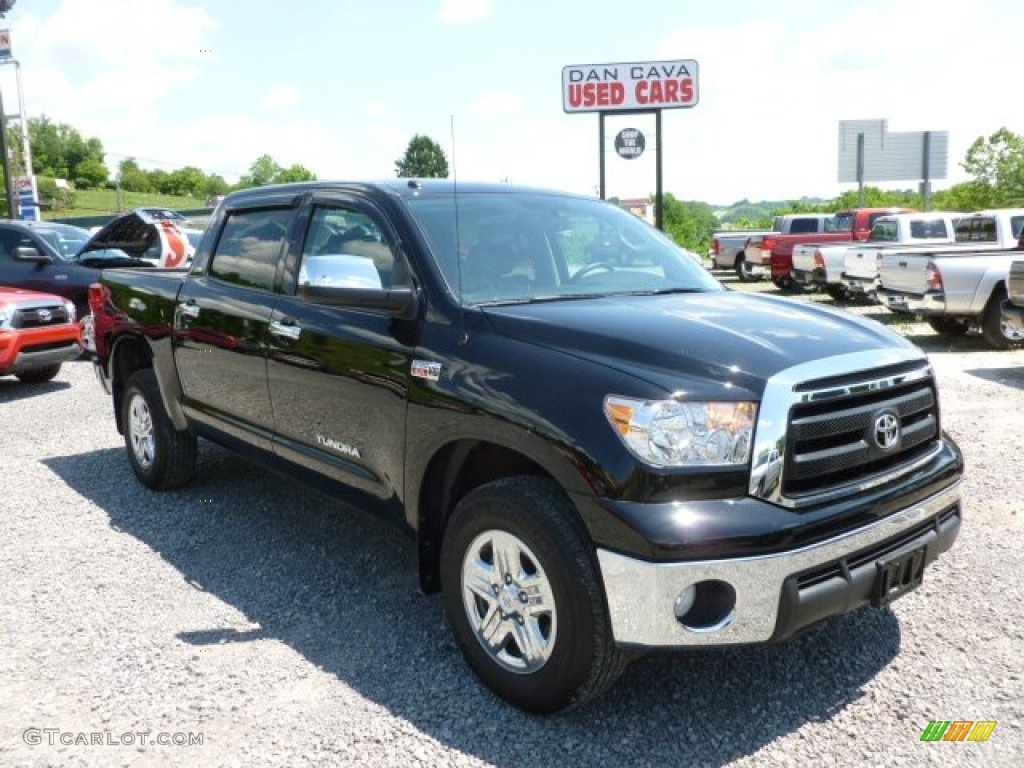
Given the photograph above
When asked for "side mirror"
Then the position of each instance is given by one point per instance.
(29, 253)
(402, 302)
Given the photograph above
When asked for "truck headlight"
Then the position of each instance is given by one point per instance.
(672, 433)
(6, 313)
(70, 307)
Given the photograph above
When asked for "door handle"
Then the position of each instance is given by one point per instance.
(189, 309)
(285, 329)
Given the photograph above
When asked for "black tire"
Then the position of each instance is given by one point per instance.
(742, 271)
(533, 523)
(993, 329)
(949, 326)
(39, 375)
(162, 457)
(787, 284)
(837, 292)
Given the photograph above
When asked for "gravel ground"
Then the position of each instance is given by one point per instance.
(285, 631)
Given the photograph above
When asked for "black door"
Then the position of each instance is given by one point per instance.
(222, 322)
(339, 375)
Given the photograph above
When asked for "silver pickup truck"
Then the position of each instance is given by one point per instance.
(955, 289)
(821, 265)
(729, 246)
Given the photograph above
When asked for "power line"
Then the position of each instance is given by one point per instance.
(170, 164)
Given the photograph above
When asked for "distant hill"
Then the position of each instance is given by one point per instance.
(744, 210)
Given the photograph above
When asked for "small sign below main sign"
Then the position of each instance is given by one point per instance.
(642, 85)
(5, 43)
(630, 143)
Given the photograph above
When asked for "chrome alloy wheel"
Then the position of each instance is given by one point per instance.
(140, 428)
(509, 601)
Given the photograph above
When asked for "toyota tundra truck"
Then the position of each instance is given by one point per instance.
(598, 454)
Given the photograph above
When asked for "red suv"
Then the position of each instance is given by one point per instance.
(38, 332)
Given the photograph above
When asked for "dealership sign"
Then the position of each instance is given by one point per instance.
(639, 85)
(5, 44)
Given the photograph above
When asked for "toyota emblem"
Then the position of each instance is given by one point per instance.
(887, 430)
(44, 315)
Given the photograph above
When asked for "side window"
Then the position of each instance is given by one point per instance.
(803, 226)
(346, 248)
(249, 248)
(8, 242)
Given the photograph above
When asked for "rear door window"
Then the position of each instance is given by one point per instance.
(250, 247)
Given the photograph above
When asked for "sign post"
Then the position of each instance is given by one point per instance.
(631, 88)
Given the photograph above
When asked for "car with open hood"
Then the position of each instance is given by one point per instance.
(65, 260)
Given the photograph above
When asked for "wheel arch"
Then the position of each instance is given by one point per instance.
(132, 352)
(453, 471)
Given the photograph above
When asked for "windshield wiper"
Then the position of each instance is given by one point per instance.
(660, 292)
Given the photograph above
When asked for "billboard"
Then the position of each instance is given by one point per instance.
(636, 85)
(891, 156)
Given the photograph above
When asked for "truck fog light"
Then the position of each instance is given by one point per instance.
(711, 606)
(685, 601)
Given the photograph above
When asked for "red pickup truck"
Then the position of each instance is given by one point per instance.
(849, 225)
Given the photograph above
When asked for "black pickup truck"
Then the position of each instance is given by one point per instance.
(599, 449)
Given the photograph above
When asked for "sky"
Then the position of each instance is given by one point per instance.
(341, 86)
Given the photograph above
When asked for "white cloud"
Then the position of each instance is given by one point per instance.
(283, 96)
(497, 104)
(464, 10)
(374, 109)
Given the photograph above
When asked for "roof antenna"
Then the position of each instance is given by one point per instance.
(463, 336)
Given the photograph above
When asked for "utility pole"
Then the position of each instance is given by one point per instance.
(12, 200)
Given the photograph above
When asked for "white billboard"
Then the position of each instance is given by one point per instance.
(631, 85)
(891, 156)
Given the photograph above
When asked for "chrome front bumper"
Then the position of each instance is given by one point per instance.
(641, 595)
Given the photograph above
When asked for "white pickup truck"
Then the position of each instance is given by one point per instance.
(728, 246)
(821, 265)
(956, 288)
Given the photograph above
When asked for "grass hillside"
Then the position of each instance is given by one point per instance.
(97, 202)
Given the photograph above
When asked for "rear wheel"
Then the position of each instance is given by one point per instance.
(524, 598)
(949, 326)
(743, 270)
(837, 292)
(161, 456)
(997, 333)
(39, 375)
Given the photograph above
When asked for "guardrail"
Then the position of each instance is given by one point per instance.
(197, 216)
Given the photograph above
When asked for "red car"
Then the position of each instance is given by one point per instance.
(38, 333)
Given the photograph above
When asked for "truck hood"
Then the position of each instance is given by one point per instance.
(137, 238)
(19, 295)
(697, 342)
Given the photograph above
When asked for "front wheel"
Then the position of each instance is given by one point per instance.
(524, 598)
(39, 375)
(161, 456)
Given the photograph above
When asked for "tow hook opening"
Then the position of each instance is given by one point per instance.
(707, 606)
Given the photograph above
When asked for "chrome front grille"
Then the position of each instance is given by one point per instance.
(39, 317)
(833, 442)
(839, 426)
(1016, 285)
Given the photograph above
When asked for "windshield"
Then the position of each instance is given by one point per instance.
(65, 239)
(531, 246)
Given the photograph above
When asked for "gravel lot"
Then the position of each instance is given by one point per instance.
(287, 631)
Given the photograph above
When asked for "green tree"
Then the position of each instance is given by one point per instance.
(58, 149)
(133, 178)
(294, 173)
(263, 171)
(215, 184)
(423, 159)
(185, 181)
(998, 162)
(90, 174)
(689, 224)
